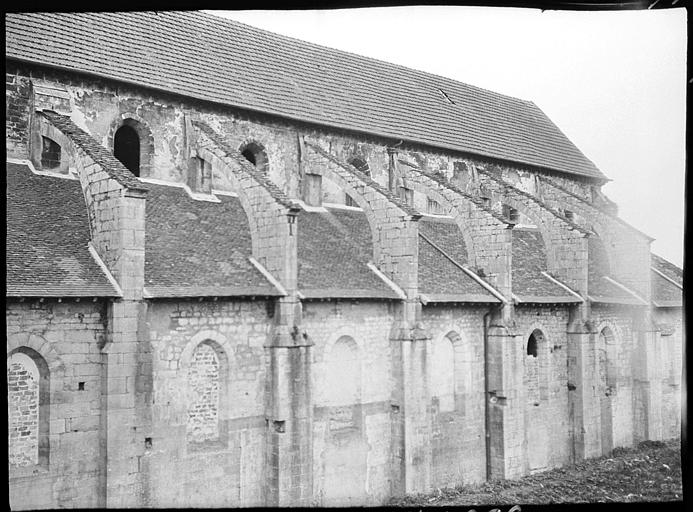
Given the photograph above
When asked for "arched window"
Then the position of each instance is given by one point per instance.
(205, 385)
(343, 373)
(50, 154)
(533, 367)
(607, 369)
(28, 395)
(443, 374)
(126, 148)
(255, 154)
(360, 164)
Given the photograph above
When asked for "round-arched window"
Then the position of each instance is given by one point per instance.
(255, 153)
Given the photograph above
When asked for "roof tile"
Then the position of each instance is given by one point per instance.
(246, 67)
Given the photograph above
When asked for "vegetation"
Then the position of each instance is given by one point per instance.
(649, 472)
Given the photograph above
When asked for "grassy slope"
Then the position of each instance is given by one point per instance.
(650, 472)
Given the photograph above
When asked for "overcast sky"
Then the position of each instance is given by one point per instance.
(613, 82)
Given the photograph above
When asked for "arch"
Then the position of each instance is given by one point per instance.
(135, 153)
(384, 212)
(126, 148)
(28, 400)
(535, 366)
(206, 370)
(607, 383)
(343, 373)
(255, 153)
(443, 372)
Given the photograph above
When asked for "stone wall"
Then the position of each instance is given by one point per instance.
(64, 469)
(545, 378)
(208, 407)
(458, 442)
(352, 443)
(671, 323)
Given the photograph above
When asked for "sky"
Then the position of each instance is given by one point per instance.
(613, 82)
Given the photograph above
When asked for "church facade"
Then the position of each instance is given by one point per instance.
(246, 270)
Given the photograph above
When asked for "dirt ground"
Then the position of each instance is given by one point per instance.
(649, 472)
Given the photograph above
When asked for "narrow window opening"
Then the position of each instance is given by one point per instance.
(532, 344)
(360, 165)
(80, 386)
(349, 201)
(256, 155)
(249, 155)
(126, 148)
(511, 214)
(569, 215)
(50, 154)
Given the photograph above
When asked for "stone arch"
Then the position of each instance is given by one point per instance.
(343, 373)
(217, 164)
(146, 140)
(256, 154)
(607, 376)
(535, 357)
(460, 219)
(205, 364)
(29, 400)
(386, 215)
(443, 372)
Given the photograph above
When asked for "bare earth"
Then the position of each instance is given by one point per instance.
(650, 472)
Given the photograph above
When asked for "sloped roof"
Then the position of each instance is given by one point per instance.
(197, 248)
(665, 293)
(667, 268)
(528, 263)
(47, 239)
(205, 57)
(441, 280)
(333, 251)
(599, 288)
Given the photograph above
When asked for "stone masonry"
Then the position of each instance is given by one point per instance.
(278, 399)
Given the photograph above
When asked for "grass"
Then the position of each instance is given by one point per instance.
(649, 472)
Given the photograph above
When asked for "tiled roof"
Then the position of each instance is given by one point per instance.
(445, 234)
(599, 288)
(109, 163)
(198, 248)
(529, 261)
(333, 251)
(209, 58)
(667, 268)
(47, 239)
(664, 292)
(441, 280)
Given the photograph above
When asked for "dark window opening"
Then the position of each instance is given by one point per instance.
(349, 201)
(486, 201)
(511, 213)
(360, 165)
(80, 386)
(569, 215)
(533, 342)
(249, 155)
(255, 154)
(126, 148)
(50, 154)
